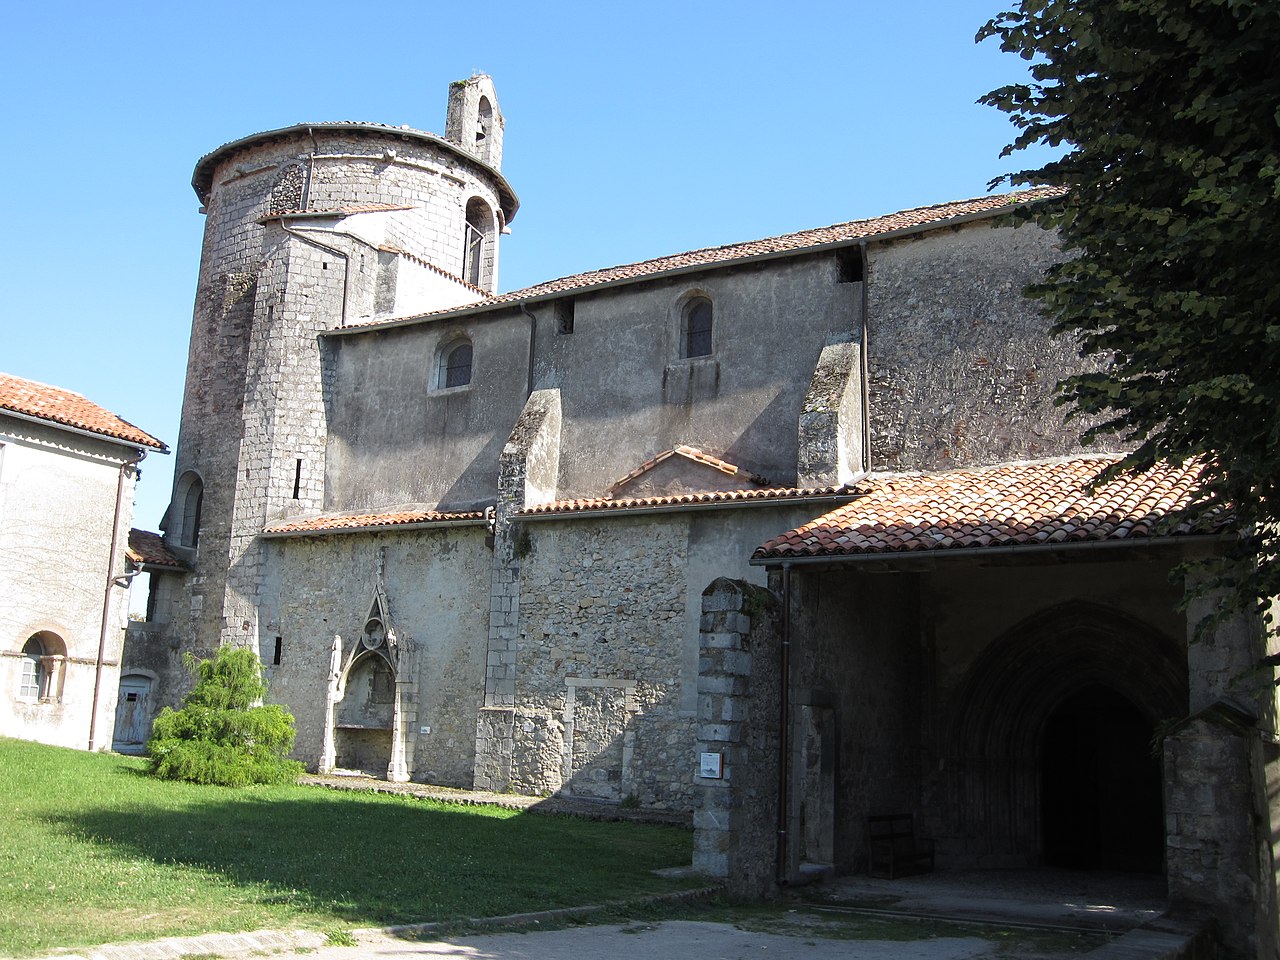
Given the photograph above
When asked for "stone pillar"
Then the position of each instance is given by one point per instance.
(735, 819)
(1221, 768)
(328, 749)
(830, 426)
(527, 470)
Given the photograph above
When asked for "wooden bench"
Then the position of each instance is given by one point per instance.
(893, 849)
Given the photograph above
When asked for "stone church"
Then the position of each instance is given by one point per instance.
(784, 533)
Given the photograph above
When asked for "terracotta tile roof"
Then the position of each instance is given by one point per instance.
(343, 211)
(363, 521)
(148, 549)
(697, 456)
(936, 214)
(607, 504)
(1044, 502)
(70, 409)
(431, 266)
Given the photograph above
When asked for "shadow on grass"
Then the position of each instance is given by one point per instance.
(378, 860)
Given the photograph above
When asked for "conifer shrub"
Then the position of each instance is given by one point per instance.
(220, 736)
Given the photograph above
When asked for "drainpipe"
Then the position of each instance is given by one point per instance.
(784, 731)
(533, 344)
(112, 583)
(311, 169)
(866, 363)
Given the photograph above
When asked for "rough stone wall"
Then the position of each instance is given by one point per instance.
(351, 168)
(57, 504)
(598, 664)
(831, 427)
(962, 369)
(254, 405)
(1218, 835)
(436, 584)
(856, 652)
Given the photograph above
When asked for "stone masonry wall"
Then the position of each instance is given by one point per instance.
(962, 368)
(436, 585)
(601, 633)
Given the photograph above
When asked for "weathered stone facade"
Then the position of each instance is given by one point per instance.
(505, 540)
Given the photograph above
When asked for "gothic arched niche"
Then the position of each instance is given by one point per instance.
(1022, 724)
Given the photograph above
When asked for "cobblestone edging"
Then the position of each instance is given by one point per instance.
(511, 801)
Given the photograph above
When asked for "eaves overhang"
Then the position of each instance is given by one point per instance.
(202, 177)
(649, 510)
(915, 560)
(374, 528)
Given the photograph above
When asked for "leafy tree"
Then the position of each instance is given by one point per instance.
(219, 736)
(1168, 116)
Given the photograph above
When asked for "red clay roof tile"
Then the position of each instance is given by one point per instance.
(936, 214)
(70, 409)
(1046, 501)
(146, 548)
(697, 456)
(350, 523)
(605, 504)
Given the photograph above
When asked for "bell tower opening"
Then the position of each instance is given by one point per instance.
(1100, 785)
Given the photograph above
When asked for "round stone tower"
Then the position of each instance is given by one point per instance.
(310, 227)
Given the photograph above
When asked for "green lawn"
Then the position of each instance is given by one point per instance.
(92, 850)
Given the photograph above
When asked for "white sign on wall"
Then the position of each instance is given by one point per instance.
(711, 766)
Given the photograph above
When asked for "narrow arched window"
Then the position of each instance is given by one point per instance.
(697, 327)
(192, 504)
(484, 120)
(455, 366)
(477, 253)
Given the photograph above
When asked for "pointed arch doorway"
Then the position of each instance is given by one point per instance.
(1100, 785)
(1052, 761)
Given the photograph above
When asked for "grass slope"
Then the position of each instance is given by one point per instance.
(93, 850)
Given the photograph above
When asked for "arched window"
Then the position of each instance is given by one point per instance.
(454, 368)
(41, 655)
(191, 500)
(696, 327)
(477, 254)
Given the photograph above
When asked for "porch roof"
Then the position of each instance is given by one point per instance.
(1043, 502)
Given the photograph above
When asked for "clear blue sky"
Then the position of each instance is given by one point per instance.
(633, 130)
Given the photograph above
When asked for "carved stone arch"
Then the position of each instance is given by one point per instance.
(366, 721)
(1016, 682)
(1011, 691)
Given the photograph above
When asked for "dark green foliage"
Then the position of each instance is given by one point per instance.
(219, 736)
(1169, 111)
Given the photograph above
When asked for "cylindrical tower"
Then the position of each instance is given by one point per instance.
(308, 228)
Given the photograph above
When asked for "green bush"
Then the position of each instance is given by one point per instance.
(219, 736)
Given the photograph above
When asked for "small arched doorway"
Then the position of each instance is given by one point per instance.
(1100, 785)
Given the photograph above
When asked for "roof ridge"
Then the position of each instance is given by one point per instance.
(68, 408)
(783, 244)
